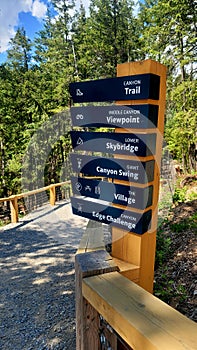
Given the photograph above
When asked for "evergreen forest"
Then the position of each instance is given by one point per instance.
(77, 45)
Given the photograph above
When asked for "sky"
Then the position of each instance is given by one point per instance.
(22, 13)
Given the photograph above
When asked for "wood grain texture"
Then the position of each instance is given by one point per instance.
(92, 238)
(140, 250)
(89, 264)
(141, 319)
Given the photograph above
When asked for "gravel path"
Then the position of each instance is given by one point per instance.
(37, 301)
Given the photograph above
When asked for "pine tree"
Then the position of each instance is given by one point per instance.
(55, 54)
(43, 39)
(78, 40)
(19, 54)
(112, 34)
(169, 35)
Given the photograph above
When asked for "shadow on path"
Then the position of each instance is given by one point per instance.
(37, 306)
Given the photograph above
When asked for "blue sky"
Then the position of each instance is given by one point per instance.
(22, 13)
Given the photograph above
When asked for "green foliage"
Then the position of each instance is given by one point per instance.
(4, 222)
(192, 196)
(163, 244)
(185, 224)
(110, 36)
(166, 289)
(180, 226)
(169, 28)
(180, 131)
(19, 55)
(179, 195)
(169, 36)
(34, 81)
(163, 289)
(193, 221)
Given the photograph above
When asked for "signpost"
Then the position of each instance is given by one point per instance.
(114, 168)
(121, 191)
(140, 145)
(130, 196)
(103, 212)
(136, 87)
(144, 116)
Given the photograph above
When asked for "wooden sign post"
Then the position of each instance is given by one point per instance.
(134, 169)
(129, 247)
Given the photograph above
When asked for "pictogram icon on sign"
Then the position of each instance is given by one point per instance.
(79, 160)
(78, 186)
(79, 92)
(79, 141)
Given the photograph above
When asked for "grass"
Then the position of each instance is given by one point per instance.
(165, 288)
(185, 224)
(162, 248)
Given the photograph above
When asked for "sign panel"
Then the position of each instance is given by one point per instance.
(134, 197)
(122, 169)
(124, 219)
(140, 145)
(115, 116)
(132, 87)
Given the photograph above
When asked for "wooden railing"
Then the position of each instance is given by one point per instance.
(115, 313)
(14, 198)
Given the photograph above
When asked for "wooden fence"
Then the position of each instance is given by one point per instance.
(52, 189)
(114, 313)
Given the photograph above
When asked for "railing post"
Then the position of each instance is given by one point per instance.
(52, 194)
(87, 318)
(14, 209)
(14, 198)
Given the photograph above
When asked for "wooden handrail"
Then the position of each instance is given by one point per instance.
(14, 198)
(141, 319)
(134, 315)
(29, 193)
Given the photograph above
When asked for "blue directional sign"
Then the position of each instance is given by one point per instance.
(115, 168)
(130, 196)
(140, 145)
(133, 87)
(137, 116)
(104, 213)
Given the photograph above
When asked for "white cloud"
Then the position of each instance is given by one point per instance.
(9, 11)
(136, 8)
(38, 9)
(85, 3)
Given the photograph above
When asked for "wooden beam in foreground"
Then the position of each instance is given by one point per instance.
(142, 320)
(87, 318)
